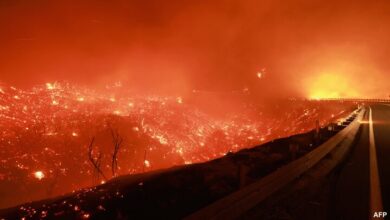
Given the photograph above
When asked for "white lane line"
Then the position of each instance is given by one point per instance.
(375, 188)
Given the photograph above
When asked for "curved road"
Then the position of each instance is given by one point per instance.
(363, 187)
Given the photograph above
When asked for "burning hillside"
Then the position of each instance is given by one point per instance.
(47, 132)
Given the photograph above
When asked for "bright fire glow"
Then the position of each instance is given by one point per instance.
(50, 86)
(147, 163)
(39, 175)
(261, 73)
(330, 85)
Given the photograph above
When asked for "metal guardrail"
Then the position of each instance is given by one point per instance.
(237, 203)
(353, 100)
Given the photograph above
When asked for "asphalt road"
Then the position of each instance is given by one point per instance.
(357, 194)
(381, 120)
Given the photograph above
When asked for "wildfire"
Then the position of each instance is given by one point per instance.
(329, 85)
(39, 129)
(50, 86)
(39, 175)
(147, 163)
(179, 100)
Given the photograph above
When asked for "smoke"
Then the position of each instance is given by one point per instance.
(177, 47)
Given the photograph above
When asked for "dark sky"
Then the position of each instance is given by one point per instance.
(309, 48)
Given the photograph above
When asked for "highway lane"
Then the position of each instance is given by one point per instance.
(381, 122)
(363, 185)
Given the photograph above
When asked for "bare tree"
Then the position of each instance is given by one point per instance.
(96, 161)
(117, 141)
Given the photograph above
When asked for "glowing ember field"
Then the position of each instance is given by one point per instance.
(46, 131)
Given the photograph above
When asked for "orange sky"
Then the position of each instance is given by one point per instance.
(177, 46)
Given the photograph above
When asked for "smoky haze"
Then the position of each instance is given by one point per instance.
(301, 48)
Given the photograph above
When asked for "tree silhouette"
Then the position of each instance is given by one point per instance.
(96, 161)
(117, 141)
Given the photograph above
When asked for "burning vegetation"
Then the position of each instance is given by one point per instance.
(58, 137)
